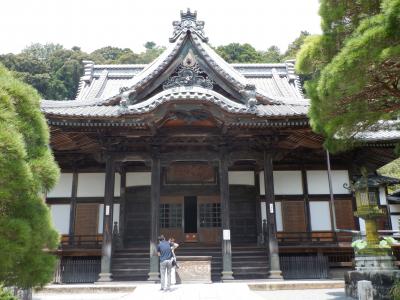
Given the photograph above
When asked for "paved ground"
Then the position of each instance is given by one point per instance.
(331, 294)
(216, 291)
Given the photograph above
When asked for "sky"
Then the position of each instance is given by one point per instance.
(92, 24)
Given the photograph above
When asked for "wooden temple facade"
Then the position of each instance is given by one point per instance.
(219, 156)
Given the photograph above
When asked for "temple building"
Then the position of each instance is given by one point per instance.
(219, 156)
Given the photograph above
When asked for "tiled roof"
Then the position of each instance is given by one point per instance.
(255, 89)
(260, 91)
(271, 79)
(381, 131)
(377, 180)
(178, 94)
(380, 135)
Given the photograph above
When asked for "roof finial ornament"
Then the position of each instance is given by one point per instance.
(188, 23)
(249, 93)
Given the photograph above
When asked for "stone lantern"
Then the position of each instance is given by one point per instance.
(368, 209)
(372, 262)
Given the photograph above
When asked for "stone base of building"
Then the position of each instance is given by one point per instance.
(154, 276)
(275, 275)
(104, 277)
(380, 270)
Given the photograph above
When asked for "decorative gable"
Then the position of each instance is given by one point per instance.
(189, 71)
(188, 74)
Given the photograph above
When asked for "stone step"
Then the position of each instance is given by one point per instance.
(250, 257)
(136, 265)
(133, 255)
(129, 271)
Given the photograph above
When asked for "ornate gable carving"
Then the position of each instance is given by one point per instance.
(188, 74)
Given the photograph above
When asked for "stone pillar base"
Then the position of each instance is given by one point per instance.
(104, 277)
(227, 276)
(375, 263)
(154, 276)
(275, 275)
(382, 282)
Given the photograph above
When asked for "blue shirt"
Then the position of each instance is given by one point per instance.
(164, 248)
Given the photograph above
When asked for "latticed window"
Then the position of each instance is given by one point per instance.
(210, 215)
(170, 215)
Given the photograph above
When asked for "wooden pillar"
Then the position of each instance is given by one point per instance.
(227, 273)
(72, 211)
(274, 264)
(258, 205)
(155, 211)
(122, 205)
(306, 199)
(106, 250)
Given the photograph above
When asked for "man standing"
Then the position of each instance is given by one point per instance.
(164, 250)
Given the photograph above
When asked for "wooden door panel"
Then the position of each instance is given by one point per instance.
(344, 214)
(208, 235)
(293, 216)
(86, 219)
(176, 233)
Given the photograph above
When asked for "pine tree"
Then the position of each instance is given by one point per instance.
(355, 69)
(27, 169)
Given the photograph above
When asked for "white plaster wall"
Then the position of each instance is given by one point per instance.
(278, 216)
(285, 183)
(362, 225)
(138, 178)
(117, 185)
(394, 208)
(382, 195)
(317, 182)
(241, 177)
(63, 187)
(91, 184)
(395, 222)
(263, 211)
(60, 217)
(320, 215)
(288, 183)
(116, 209)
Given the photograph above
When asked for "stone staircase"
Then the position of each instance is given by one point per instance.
(248, 261)
(130, 264)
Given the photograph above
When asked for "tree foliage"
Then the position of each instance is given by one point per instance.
(239, 53)
(392, 169)
(55, 71)
(27, 169)
(355, 69)
(295, 46)
(246, 53)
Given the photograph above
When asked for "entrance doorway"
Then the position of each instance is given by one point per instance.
(191, 218)
(190, 213)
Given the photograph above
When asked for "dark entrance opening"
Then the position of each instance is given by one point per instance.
(190, 214)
